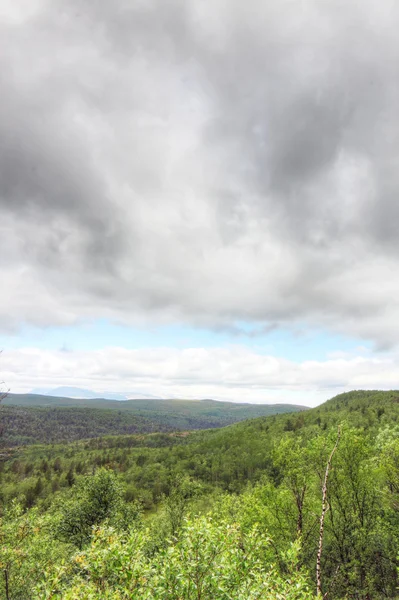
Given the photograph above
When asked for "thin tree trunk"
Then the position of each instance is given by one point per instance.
(324, 509)
(299, 498)
(6, 584)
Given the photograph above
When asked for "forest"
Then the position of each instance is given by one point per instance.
(290, 506)
(33, 418)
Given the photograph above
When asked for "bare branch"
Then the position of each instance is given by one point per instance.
(3, 394)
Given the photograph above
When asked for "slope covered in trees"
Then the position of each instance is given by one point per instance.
(30, 418)
(228, 513)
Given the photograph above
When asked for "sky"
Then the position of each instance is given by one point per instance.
(200, 199)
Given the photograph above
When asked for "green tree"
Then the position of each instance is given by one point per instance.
(360, 558)
(95, 499)
(182, 490)
(27, 549)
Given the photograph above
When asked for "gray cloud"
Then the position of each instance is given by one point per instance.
(201, 162)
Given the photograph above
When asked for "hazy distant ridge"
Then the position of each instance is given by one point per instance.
(32, 418)
(82, 393)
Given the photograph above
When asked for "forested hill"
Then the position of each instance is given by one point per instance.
(30, 418)
(187, 407)
(238, 507)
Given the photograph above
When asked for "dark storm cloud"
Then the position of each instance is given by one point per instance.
(209, 162)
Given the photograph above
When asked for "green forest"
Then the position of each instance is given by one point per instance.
(32, 418)
(291, 506)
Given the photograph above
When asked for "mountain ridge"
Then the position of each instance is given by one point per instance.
(31, 418)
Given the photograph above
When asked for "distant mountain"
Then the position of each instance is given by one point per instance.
(34, 418)
(85, 394)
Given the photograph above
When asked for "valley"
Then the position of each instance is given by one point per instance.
(258, 481)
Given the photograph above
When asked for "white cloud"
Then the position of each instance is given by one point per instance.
(235, 373)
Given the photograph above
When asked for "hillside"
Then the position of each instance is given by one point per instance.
(259, 477)
(30, 418)
(235, 454)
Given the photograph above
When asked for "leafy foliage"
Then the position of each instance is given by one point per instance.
(210, 560)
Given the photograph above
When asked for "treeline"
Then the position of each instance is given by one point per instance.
(26, 424)
(53, 425)
(251, 486)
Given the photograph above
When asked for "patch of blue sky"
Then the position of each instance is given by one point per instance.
(302, 343)
(296, 344)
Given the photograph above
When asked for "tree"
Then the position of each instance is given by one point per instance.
(324, 509)
(294, 461)
(182, 489)
(96, 498)
(359, 546)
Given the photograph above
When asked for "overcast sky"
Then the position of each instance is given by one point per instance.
(200, 199)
